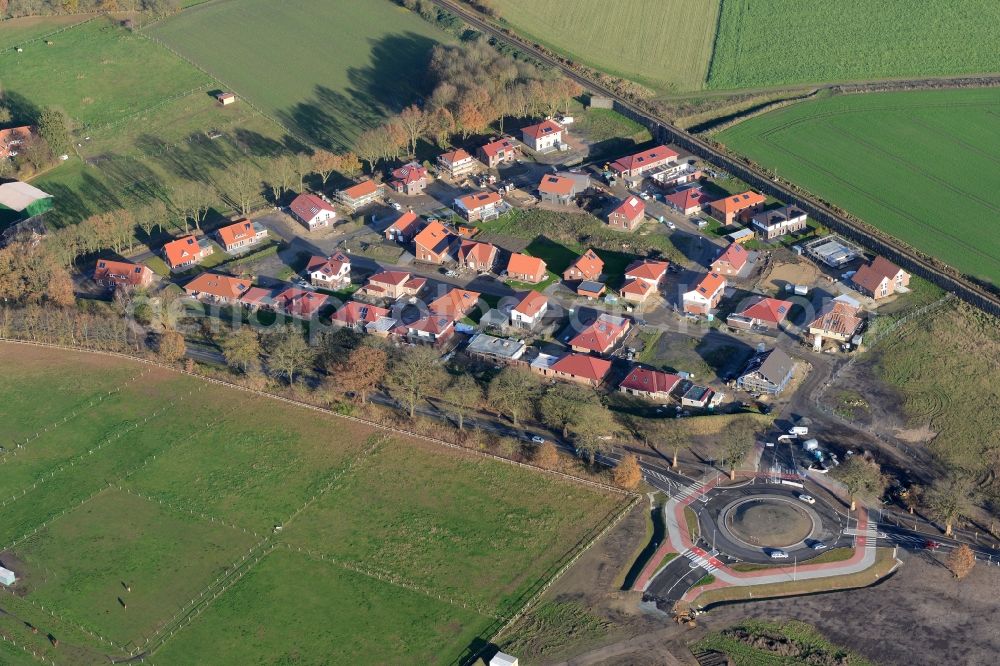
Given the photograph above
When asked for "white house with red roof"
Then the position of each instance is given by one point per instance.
(457, 163)
(650, 384)
(628, 215)
(498, 152)
(312, 211)
(706, 295)
(480, 206)
(690, 201)
(530, 310)
(579, 368)
(544, 136)
(409, 179)
(113, 274)
(300, 303)
(476, 255)
(434, 244)
(732, 260)
(602, 335)
(763, 312)
(332, 272)
(639, 164)
(405, 228)
(363, 194)
(643, 278)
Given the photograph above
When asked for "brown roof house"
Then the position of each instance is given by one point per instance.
(434, 244)
(113, 274)
(881, 278)
(216, 288)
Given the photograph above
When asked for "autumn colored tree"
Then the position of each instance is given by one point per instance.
(59, 290)
(863, 478)
(414, 121)
(242, 349)
(324, 163)
(627, 473)
(362, 371)
(171, 346)
(289, 353)
(414, 375)
(961, 561)
(546, 456)
(348, 164)
(370, 146)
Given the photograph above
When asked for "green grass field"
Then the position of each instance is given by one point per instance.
(325, 69)
(664, 44)
(782, 42)
(142, 518)
(22, 31)
(919, 165)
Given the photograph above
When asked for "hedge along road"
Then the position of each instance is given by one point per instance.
(928, 268)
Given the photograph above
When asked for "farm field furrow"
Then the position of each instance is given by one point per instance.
(919, 165)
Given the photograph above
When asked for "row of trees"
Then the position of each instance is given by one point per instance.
(41, 149)
(15, 8)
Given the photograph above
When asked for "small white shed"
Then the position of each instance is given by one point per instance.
(7, 577)
(501, 659)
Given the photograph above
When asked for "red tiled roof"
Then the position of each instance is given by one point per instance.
(557, 185)
(637, 287)
(650, 381)
(405, 223)
(353, 312)
(738, 202)
(328, 265)
(456, 303)
(409, 173)
(735, 254)
(583, 365)
(308, 206)
(389, 277)
(482, 253)
(491, 149)
(455, 156)
(544, 128)
(647, 269)
(255, 296)
(434, 324)
(601, 334)
(710, 284)
(522, 264)
(120, 271)
(362, 189)
(435, 237)
(870, 276)
(479, 200)
(301, 302)
(768, 309)
(639, 160)
(222, 286)
(631, 208)
(690, 198)
(181, 251)
(531, 304)
(589, 265)
(238, 231)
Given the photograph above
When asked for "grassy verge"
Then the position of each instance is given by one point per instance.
(832, 555)
(691, 520)
(799, 643)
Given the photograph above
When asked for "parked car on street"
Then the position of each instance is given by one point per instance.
(808, 499)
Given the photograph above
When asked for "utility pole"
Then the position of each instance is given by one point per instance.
(795, 567)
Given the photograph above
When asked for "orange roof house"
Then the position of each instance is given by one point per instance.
(404, 229)
(530, 310)
(217, 288)
(763, 312)
(479, 206)
(602, 335)
(743, 205)
(635, 165)
(650, 384)
(360, 195)
(557, 189)
(642, 279)
(628, 215)
(477, 256)
(354, 313)
(434, 243)
(706, 294)
(113, 274)
(240, 234)
(456, 303)
(525, 268)
(731, 261)
(186, 251)
(588, 266)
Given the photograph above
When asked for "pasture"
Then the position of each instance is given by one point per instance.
(325, 69)
(921, 166)
(784, 42)
(663, 44)
(22, 31)
(141, 519)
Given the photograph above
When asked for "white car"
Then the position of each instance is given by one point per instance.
(536, 439)
(777, 554)
(818, 545)
(808, 499)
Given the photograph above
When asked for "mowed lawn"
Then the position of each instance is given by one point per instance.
(122, 514)
(780, 42)
(665, 44)
(921, 166)
(326, 69)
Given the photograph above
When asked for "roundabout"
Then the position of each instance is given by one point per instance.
(768, 521)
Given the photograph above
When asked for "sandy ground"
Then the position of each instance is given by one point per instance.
(794, 273)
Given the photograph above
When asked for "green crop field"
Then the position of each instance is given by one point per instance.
(326, 69)
(919, 165)
(140, 513)
(781, 42)
(664, 44)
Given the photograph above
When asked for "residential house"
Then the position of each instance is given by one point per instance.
(530, 311)
(480, 206)
(409, 179)
(731, 261)
(628, 215)
(457, 163)
(12, 138)
(764, 312)
(216, 288)
(636, 291)
(639, 164)
(358, 315)
(736, 207)
(331, 273)
(363, 194)
(113, 274)
(301, 303)
(435, 329)
(590, 289)
(494, 349)
(650, 384)
(642, 279)
(186, 251)
(258, 298)
(767, 372)
(404, 229)
(455, 303)
(706, 295)
(241, 234)
(477, 256)
(392, 285)
(579, 368)
(588, 266)
(771, 224)
(523, 268)
(434, 244)
(312, 211)
(602, 334)
(881, 278)
(839, 320)
(697, 396)
(676, 174)
(497, 152)
(690, 201)
(543, 136)
(557, 189)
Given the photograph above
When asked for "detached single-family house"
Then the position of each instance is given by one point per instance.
(771, 224)
(404, 229)
(634, 166)
(216, 288)
(331, 273)
(690, 201)
(455, 303)
(523, 268)
(497, 152)
(731, 261)
(363, 194)
(530, 311)
(880, 278)
(479, 206)
(434, 329)
(186, 251)
(676, 174)
(312, 211)
(697, 396)
(766, 313)
(495, 350)
(839, 320)
(602, 335)
(736, 206)
(706, 295)
(392, 285)
(628, 215)
(258, 298)
(650, 384)
(113, 274)
(12, 138)
(477, 256)
(457, 163)
(579, 368)
(588, 266)
(557, 189)
(300, 303)
(642, 279)
(241, 234)
(768, 372)
(358, 315)
(434, 244)
(409, 179)
(542, 137)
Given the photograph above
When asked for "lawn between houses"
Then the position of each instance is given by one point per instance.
(390, 548)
